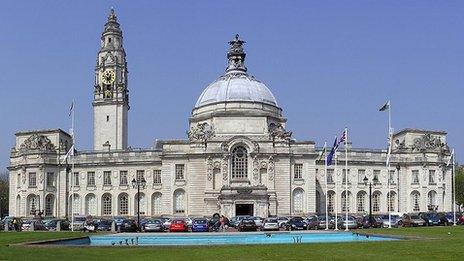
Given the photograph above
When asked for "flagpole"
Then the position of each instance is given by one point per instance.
(346, 179)
(388, 163)
(326, 188)
(72, 166)
(336, 191)
(454, 189)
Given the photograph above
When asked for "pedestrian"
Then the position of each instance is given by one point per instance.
(222, 222)
(15, 224)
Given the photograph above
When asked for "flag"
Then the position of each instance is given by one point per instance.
(71, 108)
(385, 107)
(324, 150)
(69, 153)
(332, 152)
(342, 138)
(450, 160)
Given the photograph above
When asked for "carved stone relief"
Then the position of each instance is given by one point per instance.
(209, 168)
(271, 168)
(37, 142)
(225, 167)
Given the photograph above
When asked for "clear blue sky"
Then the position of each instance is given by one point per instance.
(330, 64)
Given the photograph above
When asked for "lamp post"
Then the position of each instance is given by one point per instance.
(375, 180)
(137, 183)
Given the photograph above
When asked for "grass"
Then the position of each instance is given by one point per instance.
(436, 243)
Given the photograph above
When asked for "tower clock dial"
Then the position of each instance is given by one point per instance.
(108, 77)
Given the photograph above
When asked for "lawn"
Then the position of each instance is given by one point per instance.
(436, 243)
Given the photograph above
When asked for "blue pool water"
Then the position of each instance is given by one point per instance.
(223, 239)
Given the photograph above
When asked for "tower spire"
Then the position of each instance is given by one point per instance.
(236, 55)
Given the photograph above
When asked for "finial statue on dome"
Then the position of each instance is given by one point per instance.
(236, 55)
(112, 16)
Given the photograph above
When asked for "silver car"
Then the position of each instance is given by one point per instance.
(351, 223)
(258, 221)
(271, 224)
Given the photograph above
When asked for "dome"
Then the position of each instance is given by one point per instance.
(236, 87)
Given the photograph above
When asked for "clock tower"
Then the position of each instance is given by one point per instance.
(111, 96)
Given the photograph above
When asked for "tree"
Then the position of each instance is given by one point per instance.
(4, 193)
(460, 185)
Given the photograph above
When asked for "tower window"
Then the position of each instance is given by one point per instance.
(109, 40)
(107, 118)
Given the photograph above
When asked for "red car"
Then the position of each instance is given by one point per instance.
(178, 225)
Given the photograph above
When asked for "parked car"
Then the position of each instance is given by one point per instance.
(178, 225)
(167, 223)
(153, 225)
(322, 221)
(247, 224)
(460, 219)
(411, 220)
(200, 225)
(258, 221)
(38, 225)
(189, 222)
(296, 223)
(447, 218)
(312, 222)
(270, 224)
(51, 224)
(128, 225)
(351, 222)
(431, 218)
(104, 224)
(79, 222)
(235, 221)
(395, 221)
(282, 221)
(372, 222)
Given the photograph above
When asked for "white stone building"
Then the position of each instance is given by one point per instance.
(238, 158)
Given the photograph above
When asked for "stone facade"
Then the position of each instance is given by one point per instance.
(238, 159)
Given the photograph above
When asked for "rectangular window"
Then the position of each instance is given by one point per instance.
(330, 173)
(179, 171)
(346, 178)
(18, 180)
(50, 179)
(106, 178)
(76, 179)
(32, 180)
(91, 179)
(415, 177)
(376, 176)
(391, 177)
(298, 171)
(140, 175)
(157, 176)
(432, 177)
(123, 177)
(361, 175)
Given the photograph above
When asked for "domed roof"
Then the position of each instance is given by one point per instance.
(236, 85)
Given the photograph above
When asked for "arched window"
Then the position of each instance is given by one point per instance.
(263, 176)
(361, 201)
(346, 202)
(376, 201)
(331, 201)
(432, 200)
(106, 205)
(156, 204)
(91, 205)
(239, 163)
(298, 200)
(32, 204)
(18, 206)
(391, 199)
(216, 178)
(75, 206)
(142, 202)
(179, 201)
(49, 203)
(415, 201)
(123, 204)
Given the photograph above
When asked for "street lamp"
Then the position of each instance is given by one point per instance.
(137, 183)
(375, 180)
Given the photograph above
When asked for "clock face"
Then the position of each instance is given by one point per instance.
(108, 77)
